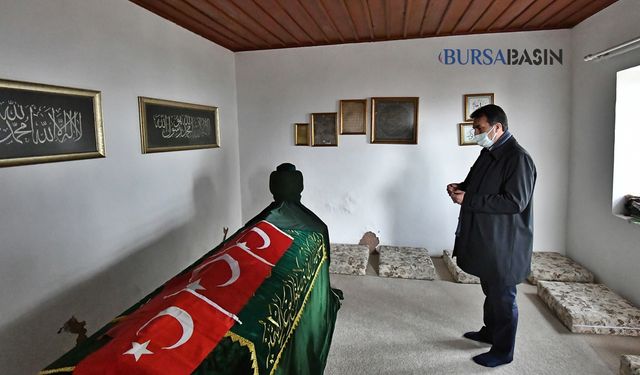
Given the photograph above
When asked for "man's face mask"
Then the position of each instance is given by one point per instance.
(483, 139)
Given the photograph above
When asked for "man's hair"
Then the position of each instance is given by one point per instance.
(494, 115)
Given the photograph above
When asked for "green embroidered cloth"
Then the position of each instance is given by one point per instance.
(288, 324)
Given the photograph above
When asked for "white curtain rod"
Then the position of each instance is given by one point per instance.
(620, 48)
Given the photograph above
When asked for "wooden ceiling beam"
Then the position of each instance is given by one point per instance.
(294, 15)
(424, 18)
(434, 14)
(491, 15)
(533, 10)
(265, 20)
(341, 18)
(585, 13)
(511, 13)
(395, 17)
(552, 9)
(238, 14)
(307, 18)
(321, 19)
(165, 11)
(275, 13)
(360, 18)
(475, 11)
(454, 15)
(229, 25)
(377, 10)
(323, 8)
(569, 10)
(200, 15)
(415, 10)
(315, 22)
(407, 3)
(352, 21)
(444, 15)
(367, 12)
(590, 6)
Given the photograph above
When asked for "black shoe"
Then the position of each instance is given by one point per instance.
(480, 336)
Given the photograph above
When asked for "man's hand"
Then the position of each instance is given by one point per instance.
(457, 196)
(450, 189)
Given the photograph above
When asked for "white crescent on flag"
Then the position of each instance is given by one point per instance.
(264, 236)
(233, 265)
(182, 317)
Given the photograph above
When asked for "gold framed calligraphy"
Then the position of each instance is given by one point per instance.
(472, 102)
(324, 129)
(301, 137)
(353, 113)
(166, 125)
(466, 134)
(43, 123)
(394, 120)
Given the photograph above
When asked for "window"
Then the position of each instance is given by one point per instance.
(626, 165)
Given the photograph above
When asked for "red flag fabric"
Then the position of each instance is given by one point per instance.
(174, 331)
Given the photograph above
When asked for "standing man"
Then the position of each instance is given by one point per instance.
(495, 229)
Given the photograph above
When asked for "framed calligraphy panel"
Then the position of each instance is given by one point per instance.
(172, 126)
(301, 134)
(466, 134)
(324, 129)
(394, 120)
(42, 123)
(352, 116)
(475, 101)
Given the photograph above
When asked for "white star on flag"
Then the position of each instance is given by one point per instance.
(137, 350)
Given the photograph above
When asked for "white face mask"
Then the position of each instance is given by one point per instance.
(483, 139)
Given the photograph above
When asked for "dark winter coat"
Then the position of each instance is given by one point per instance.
(494, 239)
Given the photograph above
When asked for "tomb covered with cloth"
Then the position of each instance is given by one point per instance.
(259, 303)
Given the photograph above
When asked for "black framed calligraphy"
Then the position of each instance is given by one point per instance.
(42, 123)
(166, 125)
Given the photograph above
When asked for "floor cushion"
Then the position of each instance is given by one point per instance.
(458, 274)
(590, 308)
(349, 259)
(406, 263)
(630, 365)
(552, 266)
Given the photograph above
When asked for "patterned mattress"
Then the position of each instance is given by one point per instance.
(458, 274)
(590, 308)
(551, 266)
(630, 365)
(349, 259)
(406, 263)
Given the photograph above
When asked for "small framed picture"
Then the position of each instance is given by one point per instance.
(394, 120)
(466, 136)
(475, 101)
(301, 132)
(324, 129)
(353, 115)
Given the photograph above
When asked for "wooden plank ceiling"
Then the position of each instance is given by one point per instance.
(246, 25)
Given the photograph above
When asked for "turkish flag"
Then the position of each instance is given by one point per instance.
(175, 331)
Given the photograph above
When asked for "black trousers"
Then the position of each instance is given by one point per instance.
(500, 317)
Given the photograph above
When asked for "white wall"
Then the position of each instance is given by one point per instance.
(626, 179)
(92, 237)
(602, 242)
(398, 191)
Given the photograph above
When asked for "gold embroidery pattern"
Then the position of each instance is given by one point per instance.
(284, 315)
(252, 349)
(57, 370)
